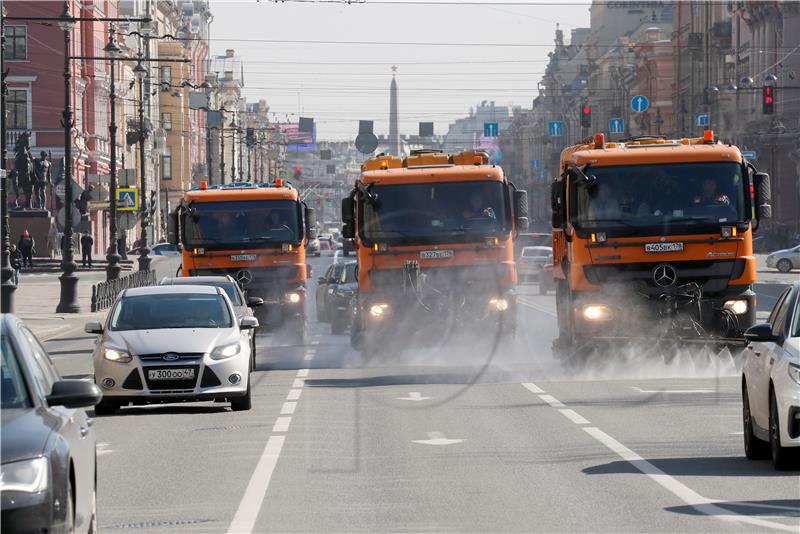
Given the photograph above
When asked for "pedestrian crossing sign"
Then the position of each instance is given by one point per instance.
(127, 199)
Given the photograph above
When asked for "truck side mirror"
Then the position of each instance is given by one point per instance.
(557, 203)
(348, 210)
(348, 231)
(763, 194)
(311, 223)
(172, 228)
(521, 210)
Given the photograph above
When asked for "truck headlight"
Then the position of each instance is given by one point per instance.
(29, 476)
(794, 372)
(378, 310)
(499, 304)
(739, 307)
(116, 355)
(292, 298)
(597, 312)
(226, 351)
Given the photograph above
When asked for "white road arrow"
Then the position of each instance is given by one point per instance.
(414, 396)
(436, 438)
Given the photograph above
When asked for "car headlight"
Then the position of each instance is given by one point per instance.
(597, 312)
(378, 310)
(499, 304)
(225, 351)
(794, 372)
(292, 298)
(29, 476)
(116, 355)
(739, 307)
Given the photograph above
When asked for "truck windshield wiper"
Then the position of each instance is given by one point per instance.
(626, 222)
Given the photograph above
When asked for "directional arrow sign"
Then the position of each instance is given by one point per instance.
(639, 103)
(414, 396)
(616, 125)
(436, 438)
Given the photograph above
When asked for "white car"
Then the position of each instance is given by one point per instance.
(530, 262)
(785, 260)
(165, 249)
(172, 343)
(771, 384)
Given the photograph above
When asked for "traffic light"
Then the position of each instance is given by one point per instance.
(297, 172)
(768, 100)
(586, 114)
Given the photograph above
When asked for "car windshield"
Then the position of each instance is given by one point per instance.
(436, 212)
(171, 310)
(13, 390)
(243, 224)
(796, 320)
(656, 195)
(229, 287)
(349, 273)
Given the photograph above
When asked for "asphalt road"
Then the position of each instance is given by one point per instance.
(462, 438)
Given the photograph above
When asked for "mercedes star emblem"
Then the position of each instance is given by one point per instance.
(170, 357)
(244, 277)
(665, 275)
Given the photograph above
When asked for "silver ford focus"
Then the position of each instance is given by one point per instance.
(172, 344)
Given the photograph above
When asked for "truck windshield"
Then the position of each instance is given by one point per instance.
(447, 212)
(657, 195)
(242, 224)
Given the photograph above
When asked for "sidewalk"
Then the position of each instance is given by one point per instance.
(37, 297)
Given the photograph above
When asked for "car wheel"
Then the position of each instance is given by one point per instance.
(781, 456)
(105, 408)
(784, 265)
(69, 516)
(754, 448)
(253, 354)
(242, 404)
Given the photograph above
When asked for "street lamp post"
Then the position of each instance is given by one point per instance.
(68, 302)
(113, 268)
(144, 259)
(233, 127)
(221, 147)
(7, 272)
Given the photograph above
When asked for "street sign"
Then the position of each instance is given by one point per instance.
(535, 163)
(61, 189)
(490, 129)
(616, 125)
(128, 199)
(61, 216)
(749, 155)
(639, 103)
(703, 119)
(555, 128)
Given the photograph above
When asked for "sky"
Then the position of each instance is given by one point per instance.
(340, 83)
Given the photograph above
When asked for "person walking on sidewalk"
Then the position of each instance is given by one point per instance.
(86, 249)
(26, 246)
(16, 262)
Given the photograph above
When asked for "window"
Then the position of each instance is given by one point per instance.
(43, 372)
(166, 164)
(17, 109)
(16, 42)
(166, 75)
(166, 121)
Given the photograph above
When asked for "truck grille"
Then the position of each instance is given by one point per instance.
(712, 275)
(444, 277)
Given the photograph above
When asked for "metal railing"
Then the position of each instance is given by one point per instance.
(104, 293)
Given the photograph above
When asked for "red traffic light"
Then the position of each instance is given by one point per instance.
(587, 110)
(767, 99)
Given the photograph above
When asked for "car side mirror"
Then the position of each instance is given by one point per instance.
(248, 323)
(74, 394)
(760, 332)
(255, 302)
(322, 280)
(93, 327)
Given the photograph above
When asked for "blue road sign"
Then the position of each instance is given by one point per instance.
(490, 129)
(127, 199)
(703, 119)
(535, 163)
(639, 103)
(555, 128)
(616, 125)
(750, 154)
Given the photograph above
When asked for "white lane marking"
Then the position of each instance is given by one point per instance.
(533, 388)
(309, 356)
(552, 401)
(686, 494)
(288, 408)
(574, 416)
(103, 448)
(245, 518)
(282, 424)
(436, 438)
(535, 307)
(315, 342)
(294, 394)
(414, 396)
(739, 433)
(298, 383)
(640, 390)
(302, 372)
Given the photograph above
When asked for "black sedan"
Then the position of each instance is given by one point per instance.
(335, 291)
(49, 462)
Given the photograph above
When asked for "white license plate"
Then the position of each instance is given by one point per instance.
(435, 254)
(243, 257)
(170, 374)
(663, 247)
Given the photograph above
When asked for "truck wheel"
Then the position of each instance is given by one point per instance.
(566, 329)
(299, 330)
(338, 326)
(754, 448)
(784, 265)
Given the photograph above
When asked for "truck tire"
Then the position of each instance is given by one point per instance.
(338, 325)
